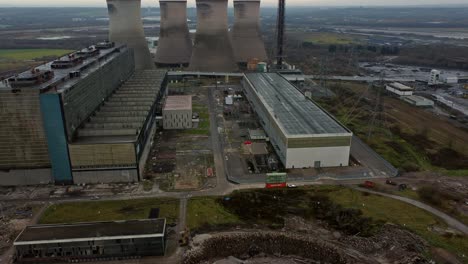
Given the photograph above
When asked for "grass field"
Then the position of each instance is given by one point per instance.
(204, 125)
(409, 145)
(208, 211)
(31, 54)
(110, 210)
(402, 214)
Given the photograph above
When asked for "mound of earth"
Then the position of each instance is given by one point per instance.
(304, 242)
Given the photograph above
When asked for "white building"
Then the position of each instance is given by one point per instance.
(449, 79)
(434, 78)
(399, 89)
(302, 134)
(177, 112)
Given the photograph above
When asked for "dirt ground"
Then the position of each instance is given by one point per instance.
(14, 217)
(181, 159)
(390, 245)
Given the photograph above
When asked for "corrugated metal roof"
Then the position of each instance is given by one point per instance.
(296, 114)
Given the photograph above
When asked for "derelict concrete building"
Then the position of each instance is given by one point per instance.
(91, 241)
(175, 45)
(83, 118)
(246, 37)
(177, 112)
(125, 27)
(212, 50)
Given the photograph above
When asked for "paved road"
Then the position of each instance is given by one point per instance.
(360, 78)
(222, 182)
(370, 159)
(452, 222)
(182, 215)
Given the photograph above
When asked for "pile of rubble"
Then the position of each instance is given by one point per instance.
(311, 242)
(249, 244)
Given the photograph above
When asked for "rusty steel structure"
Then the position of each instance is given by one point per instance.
(246, 36)
(126, 27)
(212, 51)
(175, 45)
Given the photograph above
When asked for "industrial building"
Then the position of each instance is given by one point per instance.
(246, 36)
(91, 241)
(212, 51)
(302, 134)
(399, 89)
(177, 112)
(126, 27)
(434, 77)
(418, 101)
(109, 146)
(175, 45)
(80, 123)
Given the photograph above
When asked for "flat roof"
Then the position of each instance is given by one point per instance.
(91, 231)
(400, 86)
(87, 66)
(418, 99)
(178, 102)
(295, 114)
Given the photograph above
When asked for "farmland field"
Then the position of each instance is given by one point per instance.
(30, 54)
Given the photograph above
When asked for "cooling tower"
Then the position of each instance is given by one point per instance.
(175, 45)
(246, 38)
(212, 50)
(125, 27)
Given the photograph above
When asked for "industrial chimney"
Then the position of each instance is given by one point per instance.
(246, 38)
(125, 27)
(175, 45)
(212, 50)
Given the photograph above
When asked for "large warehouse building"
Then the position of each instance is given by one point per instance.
(82, 118)
(91, 241)
(303, 134)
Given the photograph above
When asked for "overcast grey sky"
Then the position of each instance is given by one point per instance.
(59, 3)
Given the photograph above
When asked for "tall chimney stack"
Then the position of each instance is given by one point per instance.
(246, 37)
(212, 50)
(126, 27)
(175, 45)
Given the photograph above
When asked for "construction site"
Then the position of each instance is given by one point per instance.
(243, 157)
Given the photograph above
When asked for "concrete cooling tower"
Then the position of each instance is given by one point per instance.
(175, 45)
(246, 37)
(125, 27)
(212, 50)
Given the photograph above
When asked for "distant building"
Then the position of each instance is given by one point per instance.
(301, 132)
(91, 241)
(177, 112)
(418, 101)
(434, 77)
(399, 89)
(449, 79)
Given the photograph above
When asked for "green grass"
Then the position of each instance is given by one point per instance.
(204, 125)
(403, 154)
(31, 54)
(207, 211)
(109, 210)
(203, 211)
(402, 214)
